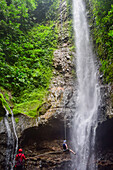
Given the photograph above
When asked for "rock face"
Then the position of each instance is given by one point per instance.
(47, 132)
(104, 145)
(2, 110)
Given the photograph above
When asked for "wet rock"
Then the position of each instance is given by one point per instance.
(2, 110)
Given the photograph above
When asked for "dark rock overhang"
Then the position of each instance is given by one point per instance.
(104, 135)
(53, 130)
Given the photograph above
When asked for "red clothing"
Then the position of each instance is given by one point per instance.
(21, 157)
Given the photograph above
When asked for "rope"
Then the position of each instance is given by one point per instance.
(61, 15)
(65, 134)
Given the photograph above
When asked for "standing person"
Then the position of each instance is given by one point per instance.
(20, 158)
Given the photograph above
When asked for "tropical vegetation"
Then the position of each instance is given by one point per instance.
(102, 17)
(28, 37)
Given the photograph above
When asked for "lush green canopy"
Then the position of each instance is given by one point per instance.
(26, 48)
(103, 35)
(28, 37)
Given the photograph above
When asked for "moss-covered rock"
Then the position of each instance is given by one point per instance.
(3, 105)
(2, 110)
(43, 108)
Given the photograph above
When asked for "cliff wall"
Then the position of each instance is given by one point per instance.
(46, 132)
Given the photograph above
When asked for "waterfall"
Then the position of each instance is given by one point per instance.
(88, 93)
(15, 144)
(9, 142)
(12, 141)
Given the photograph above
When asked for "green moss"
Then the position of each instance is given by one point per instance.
(2, 89)
(16, 120)
(7, 96)
(30, 102)
(4, 103)
(43, 108)
(72, 48)
(1, 118)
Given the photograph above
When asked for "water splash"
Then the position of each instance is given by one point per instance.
(88, 99)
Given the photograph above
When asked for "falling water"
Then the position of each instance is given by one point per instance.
(9, 141)
(12, 141)
(88, 99)
(15, 143)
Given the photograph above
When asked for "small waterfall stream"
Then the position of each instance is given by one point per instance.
(12, 141)
(15, 143)
(88, 100)
(9, 141)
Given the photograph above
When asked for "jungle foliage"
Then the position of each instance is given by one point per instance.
(3, 104)
(26, 49)
(28, 37)
(103, 35)
(46, 11)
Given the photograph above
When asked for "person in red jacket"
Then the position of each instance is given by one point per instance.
(20, 158)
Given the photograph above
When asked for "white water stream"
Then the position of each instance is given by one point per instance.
(9, 141)
(88, 100)
(12, 141)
